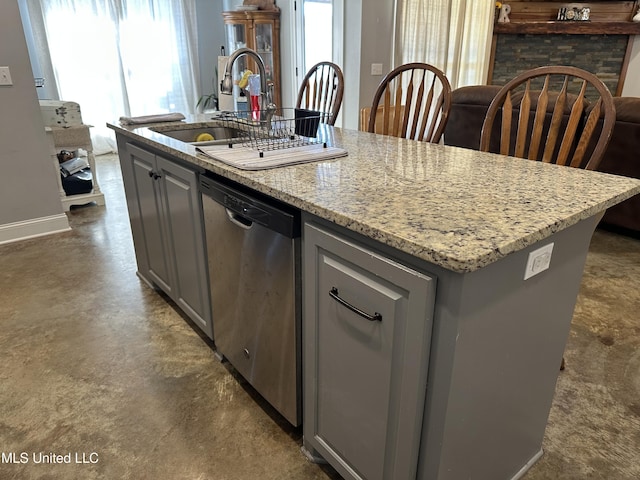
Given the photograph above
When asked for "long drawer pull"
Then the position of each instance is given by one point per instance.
(376, 317)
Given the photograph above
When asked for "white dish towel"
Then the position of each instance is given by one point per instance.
(162, 117)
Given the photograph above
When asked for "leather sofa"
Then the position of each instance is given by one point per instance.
(469, 107)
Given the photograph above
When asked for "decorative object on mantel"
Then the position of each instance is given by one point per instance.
(261, 4)
(636, 17)
(578, 14)
(505, 10)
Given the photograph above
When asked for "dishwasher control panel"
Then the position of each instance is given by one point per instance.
(252, 209)
(250, 212)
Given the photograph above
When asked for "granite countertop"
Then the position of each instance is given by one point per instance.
(457, 208)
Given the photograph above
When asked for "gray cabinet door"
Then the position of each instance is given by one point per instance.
(151, 218)
(182, 208)
(367, 330)
(165, 209)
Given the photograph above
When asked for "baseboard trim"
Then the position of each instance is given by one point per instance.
(528, 465)
(36, 227)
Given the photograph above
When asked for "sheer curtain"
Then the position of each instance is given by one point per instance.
(453, 35)
(118, 57)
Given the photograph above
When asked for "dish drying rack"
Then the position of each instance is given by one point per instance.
(286, 128)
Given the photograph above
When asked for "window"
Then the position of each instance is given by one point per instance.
(453, 35)
(319, 36)
(120, 57)
(318, 31)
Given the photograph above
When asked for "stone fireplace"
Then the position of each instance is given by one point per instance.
(535, 38)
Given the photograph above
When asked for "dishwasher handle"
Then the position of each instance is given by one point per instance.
(238, 219)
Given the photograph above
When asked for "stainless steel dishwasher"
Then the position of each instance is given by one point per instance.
(253, 249)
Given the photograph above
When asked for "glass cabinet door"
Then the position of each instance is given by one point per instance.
(237, 35)
(264, 47)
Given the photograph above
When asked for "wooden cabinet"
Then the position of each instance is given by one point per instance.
(258, 30)
(165, 211)
(367, 331)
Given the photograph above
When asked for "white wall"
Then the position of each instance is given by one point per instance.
(632, 81)
(376, 47)
(28, 186)
(211, 36)
(352, 68)
(289, 87)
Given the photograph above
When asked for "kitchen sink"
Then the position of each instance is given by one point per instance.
(190, 133)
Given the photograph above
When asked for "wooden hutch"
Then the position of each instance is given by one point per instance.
(256, 25)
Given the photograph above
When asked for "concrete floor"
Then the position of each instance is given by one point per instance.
(95, 362)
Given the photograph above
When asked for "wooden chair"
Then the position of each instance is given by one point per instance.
(412, 101)
(545, 107)
(365, 115)
(321, 90)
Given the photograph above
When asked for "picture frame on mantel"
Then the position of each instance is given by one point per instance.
(262, 4)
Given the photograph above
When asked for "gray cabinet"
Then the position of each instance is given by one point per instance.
(367, 330)
(165, 209)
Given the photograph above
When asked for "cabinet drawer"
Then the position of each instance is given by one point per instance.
(367, 335)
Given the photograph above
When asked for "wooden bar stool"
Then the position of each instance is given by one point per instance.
(412, 101)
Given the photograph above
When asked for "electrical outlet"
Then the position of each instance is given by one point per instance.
(376, 69)
(5, 76)
(538, 261)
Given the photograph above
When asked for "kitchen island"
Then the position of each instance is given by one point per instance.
(471, 367)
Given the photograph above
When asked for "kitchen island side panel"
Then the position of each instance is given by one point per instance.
(497, 345)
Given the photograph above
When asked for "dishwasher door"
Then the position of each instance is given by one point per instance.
(253, 250)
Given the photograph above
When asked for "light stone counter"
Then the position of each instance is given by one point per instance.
(456, 208)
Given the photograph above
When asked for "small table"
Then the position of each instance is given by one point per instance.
(73, 138)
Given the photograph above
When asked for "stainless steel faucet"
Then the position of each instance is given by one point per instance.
(267, 107)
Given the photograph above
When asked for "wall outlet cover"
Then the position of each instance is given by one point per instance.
(538, 261)
(5, 76)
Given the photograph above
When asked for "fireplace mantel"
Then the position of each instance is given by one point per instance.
(569, 28)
